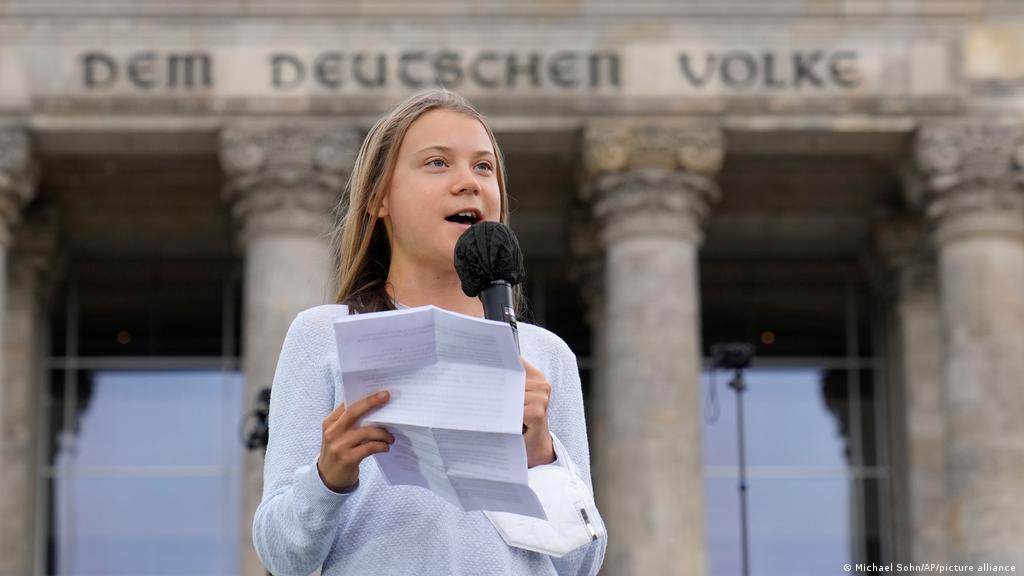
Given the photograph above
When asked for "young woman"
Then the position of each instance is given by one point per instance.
(325, 502)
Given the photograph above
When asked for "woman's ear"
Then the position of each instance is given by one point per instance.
(382, 211)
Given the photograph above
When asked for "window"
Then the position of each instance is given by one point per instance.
(815, 413)
(144, 404)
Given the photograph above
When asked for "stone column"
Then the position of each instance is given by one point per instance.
(30, 287)
(972, 172)
(651, 187)
(918, 406)
(17, 414)
(18, 177)
(587, 272)
(283, 183)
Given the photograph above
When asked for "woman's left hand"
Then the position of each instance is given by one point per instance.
(539, 449)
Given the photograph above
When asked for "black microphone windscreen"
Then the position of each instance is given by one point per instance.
(485, 252)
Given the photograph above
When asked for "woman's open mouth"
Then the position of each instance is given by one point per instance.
(464, 219)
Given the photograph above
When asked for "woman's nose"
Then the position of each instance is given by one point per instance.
(466, 182)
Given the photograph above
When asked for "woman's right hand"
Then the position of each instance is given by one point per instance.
(344, 446)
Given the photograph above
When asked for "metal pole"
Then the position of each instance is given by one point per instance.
(739, 386)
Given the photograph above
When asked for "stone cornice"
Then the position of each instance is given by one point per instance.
(972, 175)
(285, 178)
(321, 9)
(18, 178)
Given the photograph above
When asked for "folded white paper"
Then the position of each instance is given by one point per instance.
(456, 407)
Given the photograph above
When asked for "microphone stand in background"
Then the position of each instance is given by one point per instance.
(258, 434)
(736, 356)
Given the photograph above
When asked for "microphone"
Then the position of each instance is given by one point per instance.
(489, 263)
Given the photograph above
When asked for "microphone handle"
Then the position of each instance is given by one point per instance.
(497, 301)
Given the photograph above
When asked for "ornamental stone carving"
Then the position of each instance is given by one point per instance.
(18, 178)
(972, 168)
(618, 146)
(649, 201)
(285, 177)
(652, 179)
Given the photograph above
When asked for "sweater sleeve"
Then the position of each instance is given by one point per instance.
(297, 518)
(567, 421)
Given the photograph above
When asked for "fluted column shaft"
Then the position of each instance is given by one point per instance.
(651, 190)
(919, 434)
(17, 388)
(974, 201)
(283, 182)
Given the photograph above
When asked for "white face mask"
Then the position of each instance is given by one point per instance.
(572, 518)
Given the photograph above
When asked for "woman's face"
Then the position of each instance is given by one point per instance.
(445, 165)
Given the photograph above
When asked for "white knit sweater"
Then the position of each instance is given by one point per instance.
(301, 525)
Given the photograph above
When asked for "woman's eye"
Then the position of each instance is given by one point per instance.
(486, 165)
(437, 163)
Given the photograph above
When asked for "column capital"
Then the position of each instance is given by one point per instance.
(18, 178)
(620, 145)
(972, 176)
(652, 202)
(285, 177)
(652, 178)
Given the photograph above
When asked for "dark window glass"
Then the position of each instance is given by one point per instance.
(146, 307)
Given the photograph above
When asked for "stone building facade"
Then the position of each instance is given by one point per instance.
(681, 173)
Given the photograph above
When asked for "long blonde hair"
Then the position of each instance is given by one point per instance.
(361, 245)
